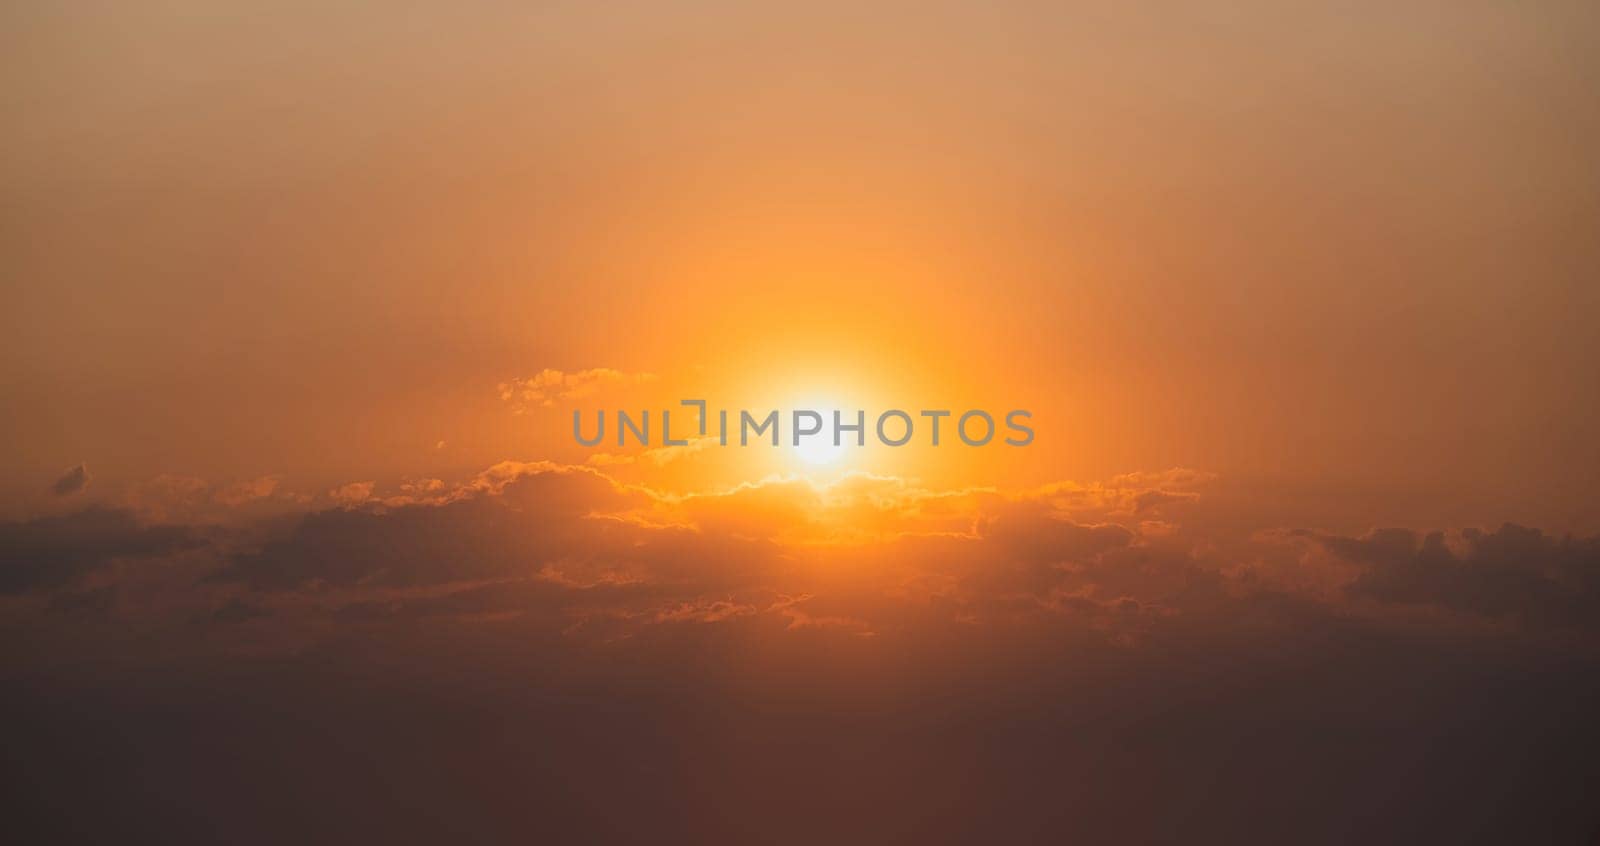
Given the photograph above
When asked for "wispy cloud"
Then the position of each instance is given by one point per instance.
(547, 387)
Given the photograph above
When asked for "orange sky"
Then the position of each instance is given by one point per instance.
(299, 299)
(1347, 259)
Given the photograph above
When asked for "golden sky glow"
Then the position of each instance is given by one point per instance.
(1237, 246)
(299, 299)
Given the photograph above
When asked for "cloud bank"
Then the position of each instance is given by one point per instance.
(868, 658)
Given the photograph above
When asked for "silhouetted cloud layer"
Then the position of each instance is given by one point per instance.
(1515, 573)
(50, 552)
(542, 652)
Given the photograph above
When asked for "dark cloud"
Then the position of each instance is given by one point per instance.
(72, 481)
(532, 518)
(51, 552)
(1020, 547)
(1514, 573)
(1384, 547)
(546, 654)
(1031, 531)
(562, 525)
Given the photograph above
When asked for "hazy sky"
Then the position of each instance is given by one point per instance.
(1339, 248)
(299, 298)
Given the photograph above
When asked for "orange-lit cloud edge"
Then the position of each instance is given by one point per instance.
(522, 639)
(575, 547)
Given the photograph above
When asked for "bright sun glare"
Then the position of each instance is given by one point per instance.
(819, 449)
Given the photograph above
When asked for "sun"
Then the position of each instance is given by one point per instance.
(819, 450)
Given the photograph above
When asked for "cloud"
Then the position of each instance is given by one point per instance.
(174, 498)
(656, 456)
(238, 493)
(72, 481)
(547, 387)
(1514, 573)
(800, 616)
(869, 639)
(352, 493)
(624, 554)
(703, 611)
(510, 520)
(573, 545)
(51, 552)
(1130, 494)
